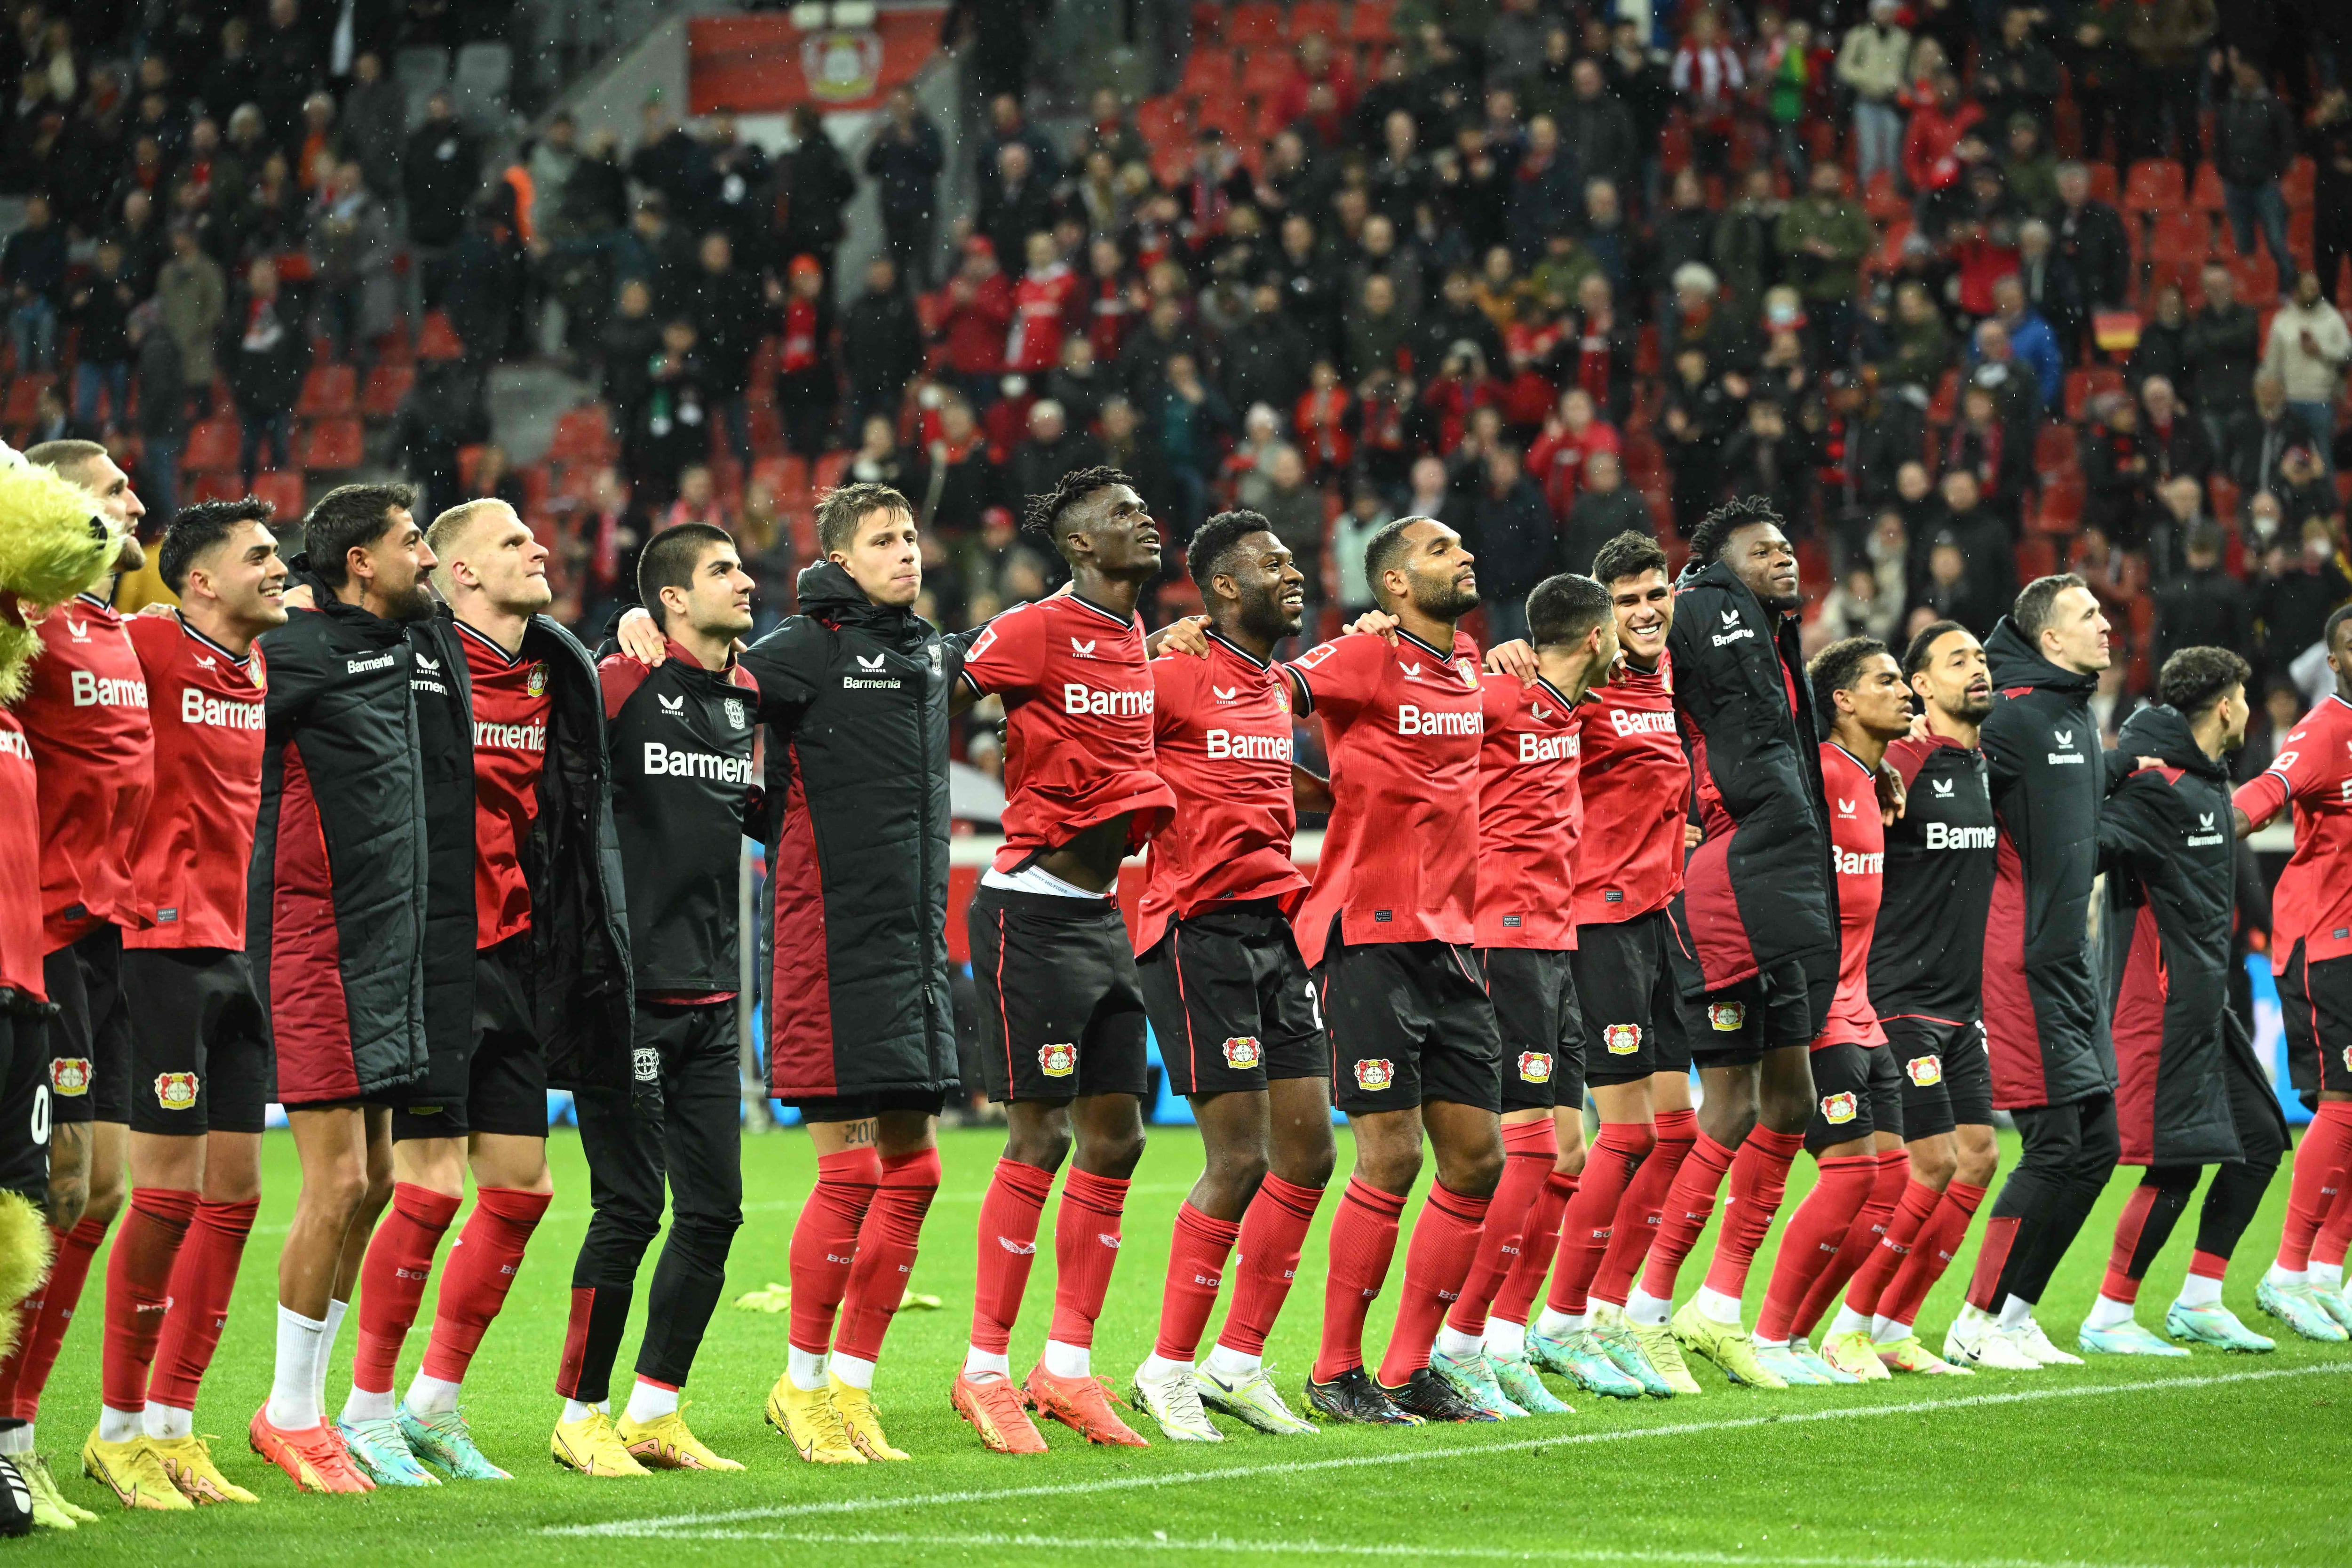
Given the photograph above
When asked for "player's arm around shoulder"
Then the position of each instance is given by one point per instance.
(786, 667)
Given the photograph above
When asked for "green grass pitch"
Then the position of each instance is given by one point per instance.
(2211, 1460)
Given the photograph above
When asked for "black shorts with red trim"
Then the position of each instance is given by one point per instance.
(1409, 1021)
(24, 1103)
(495, 1083)
(89, 1039)
(1231, 1002)
(199, 1045)
(1857, 1091)
(1769, 1010)
(1061, 1011)
(1534, 993)
(1629, 985)
(2316, 1006)
(1946, 1072)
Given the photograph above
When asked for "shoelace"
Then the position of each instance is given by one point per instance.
(1184, 1402)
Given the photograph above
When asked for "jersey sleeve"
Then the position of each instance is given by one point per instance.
(618, 676)
(152, 637)
(1341, 675)
(1007, 655)
(2296, 773)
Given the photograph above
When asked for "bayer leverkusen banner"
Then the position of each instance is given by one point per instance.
(764, 64)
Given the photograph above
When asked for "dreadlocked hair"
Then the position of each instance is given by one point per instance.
(1045, 511)
(1740, 511)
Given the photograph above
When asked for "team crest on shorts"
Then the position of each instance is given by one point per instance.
(1622, 1039)
(1926, 1071)
(1726, 1018)
(1057, 1061)
(1242, 1052)
(175, 1090)
(645, 1063)
(70, 1074)
(1377, 1073)
(1534, 1067)
(536, 681)
(1840, 1109)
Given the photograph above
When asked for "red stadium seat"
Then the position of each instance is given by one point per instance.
(2060, 508)
(1269, 70)
(2054, 450)
(1369, 22)
(283, 491)
(787, 479)
(2103, 181)
(2036, 557)
(329, 392)
(212, 443)
(2082, 385)
(2155, 184)
(1208, 74)
(24, 397)
(2206, 194)
(2182, 234)
(387, 384)
(584, 435)
(1315, 18)
(2296, 186)
(469, 460)
(2256, 276)
(1254, 23)
(333, 446)
(439, 340)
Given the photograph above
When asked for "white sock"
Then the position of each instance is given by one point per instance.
(2326, 1276)
(1452, 1342)
(1553, 1324)
(851, 1369)
(431, 1395)
(366, 1404)
(1505, 1337)
(2199, 1290)
(2016, 1312)
(1159, 1368)
(1765, 1345)
(164, 1422)
(1650, 1311)
(807, 1367)
(1234, 1368)
(651, 1401)
(1068, 1360)
(294, 1390)
(2106, 1312)
(978, 1363)
(572, 1410)
(335, 1310)
(119, 1426)
(1887, 1332)
(1849, 1322)
(17, 1439)
(1719, 1308)
(2277, 1276)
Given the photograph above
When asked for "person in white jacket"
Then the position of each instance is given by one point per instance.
(1871, 63)
(2309, 349)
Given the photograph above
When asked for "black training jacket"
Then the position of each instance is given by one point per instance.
(855, 697)
(1759, 892)
(2044, 1020)
(2170, 853)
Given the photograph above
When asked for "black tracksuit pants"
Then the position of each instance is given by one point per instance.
(2070, 1150)
(692, 1144)
(2229, 1203)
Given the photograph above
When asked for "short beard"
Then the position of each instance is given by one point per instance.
(1444, 601)
(1782, 604)
(1970, 710)
(1263, 618)
(415, 605)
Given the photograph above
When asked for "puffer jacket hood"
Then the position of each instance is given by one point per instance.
(2163, 732)
(2017, 664)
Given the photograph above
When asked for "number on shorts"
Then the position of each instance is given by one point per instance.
(41, 1115)
(1314, 1005)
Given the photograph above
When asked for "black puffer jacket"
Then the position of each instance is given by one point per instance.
(2044, 1017)
(855, 697)
(1757, 892)
(2169, 850)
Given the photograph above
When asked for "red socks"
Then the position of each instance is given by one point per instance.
(1273, 1232)
(1862, 1238)
(1759, 1179)
(1877, 1271)
(1530, 1150)
(392, 1280)
(1591, 1216)
(44, 1316)
(2336, 1235)
(2121, 1285)
(824, 1243)
(886, 1252)
(2320, 1164)
(1445, 1243)
(1086, 1249)
(203, 1279)
(481, 1270)
(1196, 1267)
(138, 1281)
(1938, 1243)
(1008, 1245)
(1689, 1205)
(1816, 1234)
(1363, 1240)
(1637, 1210)
(1518, 1293)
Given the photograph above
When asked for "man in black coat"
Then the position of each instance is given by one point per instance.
(881, 343)
(439, 173)
(2089, 236)
(730, 317)
(906, 159)
(2190, 1091)
(266, 353)
(1510, 530)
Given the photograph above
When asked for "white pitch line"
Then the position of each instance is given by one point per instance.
(662, 1524)
(1226, 1545)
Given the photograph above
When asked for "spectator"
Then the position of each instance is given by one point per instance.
(1920, 346)
(268, 353)
(2204, 605)
(808, 381)
(673, 427)
(2329, 144)
(1571, 437)
(100, 306)
(1871, 65)
(2303, 486)
(2280, 711)
(877, 459)
(1052, 450)
(1367, 513)
(1377, 331)
(440, 171)
(192, 295)
(2223, 344)
(2088, 235)
(2262, 434)
(697, 498)
(729, 319)
(1930, 162)
(1765, 455)
(2117, 472)
(1858, 607)
(1641, 80)
(351, 249)
(1605, 506)
(1694, 420)
(2309, 350)
(2163, 347)
(1187, 419)
(2170, 37)
(2030, 340)
(1295, 509)
(2253, 143)
(1956, 593)
(376, 124)
(742, 203)
(159, 372)
(1983, 538)
(2014, 386)
(33, 268)
(1999, 458)
(906, 159)
(1708, 78)
(2032, 170)
(2101, 68)
(813, 189)
(2297, 593)
(492, 479)
(881, 343)
(2176, 444)
(2051, 290)
(2015, 74)
(1511, 534)
(970, 316)
(1823, 239)
(602, 548)
(1545, 191)
(1079, 384)
(957, 478)
(1745, 252)
(1600, 127)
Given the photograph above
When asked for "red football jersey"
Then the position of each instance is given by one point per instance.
(1041, 304)
(1858, 845)
(192, 849)
(510, 708)
(2313, 897)
(1635, 780)
(21, 947)
(1402, 724)
(1078, 705)
(1222, 737)
(85, 715)
(1528, 817)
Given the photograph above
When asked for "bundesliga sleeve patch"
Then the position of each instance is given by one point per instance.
(1926, 1071)
(1534, 1067)
(1057, 1061)
(70, 1074)
(1726, 1018)
(1377, 1073)
(1242, 1052)
(1622, 1039)
(175, 1090)
(1839, 1109)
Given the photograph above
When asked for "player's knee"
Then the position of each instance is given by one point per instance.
(1634, 1140)
(1043, 1147)
(1935, 1167)
(105, 1202)
(2179, 1181)
(1392, 1167)
(1570, 1161)
(1235, 1173)
(1473, 1173)
(1311, 1168)
(336, 1192)
(706, 1234)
